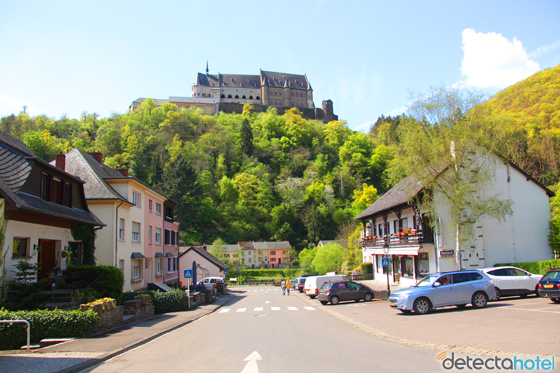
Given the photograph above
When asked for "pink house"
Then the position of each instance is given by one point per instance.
(170, 244)
(153, 231)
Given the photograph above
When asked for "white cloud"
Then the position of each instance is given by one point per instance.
(545, 49)
(492, 61)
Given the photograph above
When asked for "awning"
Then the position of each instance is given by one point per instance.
(169, 255)
(409, 250)
(137, 255)
(159, 255)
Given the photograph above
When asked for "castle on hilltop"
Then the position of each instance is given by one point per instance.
(229, 92)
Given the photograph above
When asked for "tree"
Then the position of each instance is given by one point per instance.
(246, 138)
(554, 235)
(445, 147)
(219, 250)
(326, 258)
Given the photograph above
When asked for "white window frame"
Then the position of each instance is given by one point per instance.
(121, 229)
(158, 236)
(137, 269)
(137, 198)
(149, 234)
(136, 232)
(150, 205)
(158, 267)
(158, 208)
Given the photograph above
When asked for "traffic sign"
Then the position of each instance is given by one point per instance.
(188, 273)
(385, 262)
(225, 271)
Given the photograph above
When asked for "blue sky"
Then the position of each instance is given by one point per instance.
(67, 57)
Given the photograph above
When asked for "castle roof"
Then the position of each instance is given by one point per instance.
(266, 78)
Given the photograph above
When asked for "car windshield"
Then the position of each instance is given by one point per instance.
(427, 281)
(327, 286)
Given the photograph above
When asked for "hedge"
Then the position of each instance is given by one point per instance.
(44, 324)
(108, 282)
(539, 268)
(163, 302)
(270, 273)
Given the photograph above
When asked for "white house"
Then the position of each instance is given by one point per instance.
(418, 241)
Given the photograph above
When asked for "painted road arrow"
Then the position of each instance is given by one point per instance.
(252, 366)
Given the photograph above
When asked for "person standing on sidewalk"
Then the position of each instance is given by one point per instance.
(283, 287)
(288, 286)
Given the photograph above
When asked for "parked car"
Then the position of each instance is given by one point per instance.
(210, 282)
(300, 282)
(549, 285)
(339, 291)
(314, 283)
(445, 289)
(513, 281)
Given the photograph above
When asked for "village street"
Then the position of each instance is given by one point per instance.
(261, 330)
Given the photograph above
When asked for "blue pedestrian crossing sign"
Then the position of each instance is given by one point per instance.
(188, 273)
(225, 271)
(385, 262)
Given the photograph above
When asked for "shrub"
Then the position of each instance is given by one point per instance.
(108, 281)
(44, 324)
(366, 268)
(539, 268)
(163, 302)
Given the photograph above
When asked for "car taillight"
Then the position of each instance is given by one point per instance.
(540, 286)
(328, 291)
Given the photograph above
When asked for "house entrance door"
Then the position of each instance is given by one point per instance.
(47, 258)
(396, 269)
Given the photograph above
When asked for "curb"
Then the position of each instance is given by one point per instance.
(109, 355)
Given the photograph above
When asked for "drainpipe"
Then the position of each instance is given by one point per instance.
(117, 235)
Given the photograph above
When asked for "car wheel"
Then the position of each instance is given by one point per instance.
(479, 300)
(524, 295)
(461, 305)
(555, 300)
(324, 302)
(537, 291)
(422, 306)
(356, 300)
(498, 294)
(334, 299)
(368, 297)
(312, 296)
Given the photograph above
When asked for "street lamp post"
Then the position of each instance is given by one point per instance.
(386, 251)
(335, 266)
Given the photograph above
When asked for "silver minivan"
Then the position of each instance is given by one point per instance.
(445, 289)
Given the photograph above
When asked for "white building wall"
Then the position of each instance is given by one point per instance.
(33, 232)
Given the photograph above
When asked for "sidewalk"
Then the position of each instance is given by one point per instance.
(79, 354)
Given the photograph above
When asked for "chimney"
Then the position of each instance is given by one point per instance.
(98, 156)
(61, 161)
(123, 171)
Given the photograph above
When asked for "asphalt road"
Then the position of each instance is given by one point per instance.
(264, 331)
(512, 325)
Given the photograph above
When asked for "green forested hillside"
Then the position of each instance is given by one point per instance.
(235, 176)
(264, 176)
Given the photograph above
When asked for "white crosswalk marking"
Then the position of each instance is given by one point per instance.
(241, 309)
(310, 308)
(258, 309)
(225, 310)
(275, 308)
(292, 308)
(261, 309)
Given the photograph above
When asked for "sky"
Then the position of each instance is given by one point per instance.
(371, 58)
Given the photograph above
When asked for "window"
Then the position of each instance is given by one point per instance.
(20, 247)
(167, 237)
(150, 205)
(273, 253)
(158, 236)
(136, 198)
(158, 267)
(158, 208)
(121, 264)
(171, 265)
(45, 187)
(136, 232)
(136, 269)
(55, 190)
(121, 229)
(150, 234)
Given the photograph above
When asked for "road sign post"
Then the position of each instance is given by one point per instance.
(188, 275)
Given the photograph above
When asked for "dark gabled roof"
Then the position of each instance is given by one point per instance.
(281, 80)
(93, 173)
(217, 262)
(16, 163)
(398, 195)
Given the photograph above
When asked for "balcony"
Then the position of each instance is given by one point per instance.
(397, 240)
